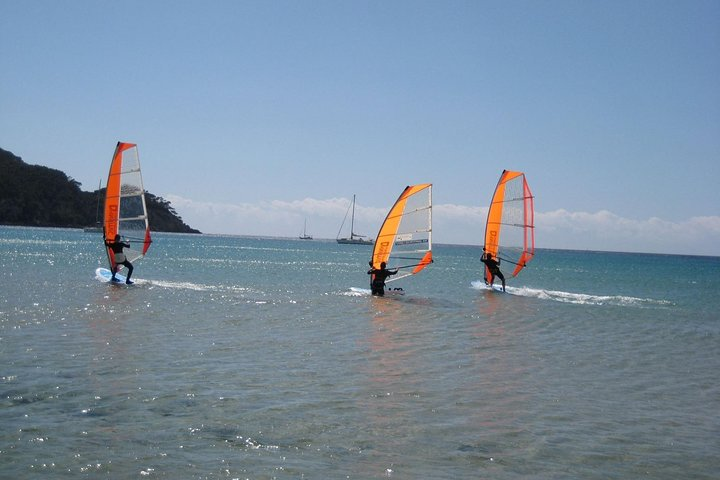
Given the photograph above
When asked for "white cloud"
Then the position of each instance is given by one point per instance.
(605, 230)
(602, 230)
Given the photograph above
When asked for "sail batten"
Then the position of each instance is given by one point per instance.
(140, 217)
(405, 237)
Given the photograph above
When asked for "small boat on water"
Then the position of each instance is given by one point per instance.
(304, 235)
(97, 228)
(354, 238)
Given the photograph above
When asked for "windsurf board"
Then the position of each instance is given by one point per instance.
(105, 275)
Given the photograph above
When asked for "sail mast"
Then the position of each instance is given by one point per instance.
(352, 220)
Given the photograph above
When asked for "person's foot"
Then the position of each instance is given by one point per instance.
(129, 282)
(113, 279)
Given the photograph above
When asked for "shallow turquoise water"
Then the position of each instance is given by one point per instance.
(267, 358)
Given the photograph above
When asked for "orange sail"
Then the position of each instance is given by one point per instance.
(510, 228)
(125, 208)
(405, 237)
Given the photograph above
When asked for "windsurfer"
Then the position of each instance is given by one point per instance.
(493, 267)
(377, 278)
(117, 246)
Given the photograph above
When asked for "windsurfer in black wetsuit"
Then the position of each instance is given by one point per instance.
(117, 246)
(494, 268)
(377, 279)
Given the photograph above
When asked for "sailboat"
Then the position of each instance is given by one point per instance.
(405, 237)
(354, 238)
(510, 227)
(125, 211)
(97, 228)
(304, 235)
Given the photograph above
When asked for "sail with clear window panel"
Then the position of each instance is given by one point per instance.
(125, 207)
(405, 237)
(510, 228)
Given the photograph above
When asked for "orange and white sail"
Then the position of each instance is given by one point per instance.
(125, 208)
(510, 228)
(405, 237)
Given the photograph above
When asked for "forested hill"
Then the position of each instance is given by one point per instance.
(37, 196)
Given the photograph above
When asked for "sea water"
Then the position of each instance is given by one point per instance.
(237, 357)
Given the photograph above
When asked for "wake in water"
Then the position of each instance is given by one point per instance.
(179, 285)
(577, 298)
(356, 292)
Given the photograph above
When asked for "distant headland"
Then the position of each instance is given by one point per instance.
(37, 196)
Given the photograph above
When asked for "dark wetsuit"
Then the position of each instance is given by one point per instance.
(377, 280)
(117, 248)
(494, 268)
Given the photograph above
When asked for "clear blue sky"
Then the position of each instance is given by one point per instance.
(251, 116)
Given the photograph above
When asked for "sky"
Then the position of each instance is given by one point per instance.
(253, 117)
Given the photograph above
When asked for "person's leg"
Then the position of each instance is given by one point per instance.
(502, 279)
(130, 270)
